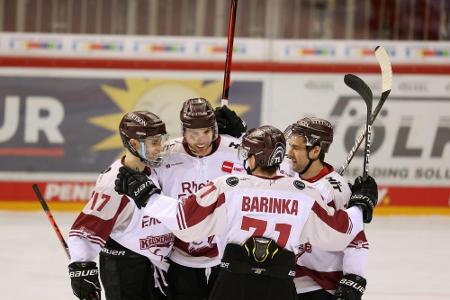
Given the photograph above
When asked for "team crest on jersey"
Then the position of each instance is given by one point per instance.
(299, 185)
(232, 181)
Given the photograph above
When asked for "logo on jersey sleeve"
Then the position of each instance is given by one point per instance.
(299, 185)
(334, 183)
(227, 166)
(232, 181)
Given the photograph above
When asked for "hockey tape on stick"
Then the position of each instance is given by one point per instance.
(386, 77)
(51, 219)
(229, 57)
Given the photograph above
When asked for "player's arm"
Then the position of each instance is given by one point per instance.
(198, 216)
(353, 284)
(88, 235)
(333, 230)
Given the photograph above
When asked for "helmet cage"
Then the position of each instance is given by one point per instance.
(142, 126)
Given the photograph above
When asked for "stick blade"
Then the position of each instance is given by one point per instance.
(386, 68)
(359, 86)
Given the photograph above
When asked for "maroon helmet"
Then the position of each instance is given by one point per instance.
(197, 113)
(140, 125)
(316, 131)
(267, 143)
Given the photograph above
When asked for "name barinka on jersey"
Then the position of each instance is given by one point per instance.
(110, 215)
(319, 269)
(237, 207)
(182, 174)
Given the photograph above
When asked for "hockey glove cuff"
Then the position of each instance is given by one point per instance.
(84, 280)
(364, 195)
(351, 287)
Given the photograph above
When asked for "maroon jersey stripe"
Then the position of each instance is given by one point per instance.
(339, 221)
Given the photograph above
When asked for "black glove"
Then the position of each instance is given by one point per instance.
(84, 280)
(364, 195)
(136, 185)
(351, 287)
(228, 122)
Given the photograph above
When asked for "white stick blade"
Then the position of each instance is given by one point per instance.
(386, 68)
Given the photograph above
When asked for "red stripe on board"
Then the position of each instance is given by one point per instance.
(196, 65)
(22, 191)
(416, 196)
(55, 152)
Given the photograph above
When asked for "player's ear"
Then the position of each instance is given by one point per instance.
(315, 152)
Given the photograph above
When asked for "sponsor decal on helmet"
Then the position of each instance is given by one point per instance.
(277, 155)
(137, 119)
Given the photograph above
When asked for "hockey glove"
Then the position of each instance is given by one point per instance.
(84, 280)
(228, 122)
(136, 185)
(351, 287)
(364, 195)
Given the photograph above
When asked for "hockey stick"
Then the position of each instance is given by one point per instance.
(359, 86)
(226, 77)
(386, 77)
(51, 219)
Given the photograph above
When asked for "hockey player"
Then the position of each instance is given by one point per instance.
(133, 245)
(262, 218)
(201, 155)
(320, 273)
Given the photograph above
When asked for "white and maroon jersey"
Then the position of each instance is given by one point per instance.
(319, 269)
(110, 215)
(237, 207)
(182, 174)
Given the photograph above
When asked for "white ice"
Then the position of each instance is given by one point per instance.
(409, 258)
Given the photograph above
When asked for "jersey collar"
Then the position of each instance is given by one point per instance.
(327, 169)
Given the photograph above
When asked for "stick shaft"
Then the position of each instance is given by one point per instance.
(229, 57)
(51, 219)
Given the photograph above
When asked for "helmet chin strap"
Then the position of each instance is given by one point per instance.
(310, 161)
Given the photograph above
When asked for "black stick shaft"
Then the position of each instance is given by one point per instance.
(362, 134)
(51, 219)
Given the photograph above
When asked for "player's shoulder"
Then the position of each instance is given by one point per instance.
(295, 184)
(175, 145)
(109, 174)
(286, 168)
(334, 180)
(228, 143)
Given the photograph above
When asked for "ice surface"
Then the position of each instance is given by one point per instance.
(409, 257)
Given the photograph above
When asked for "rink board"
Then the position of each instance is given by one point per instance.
(84, 99)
